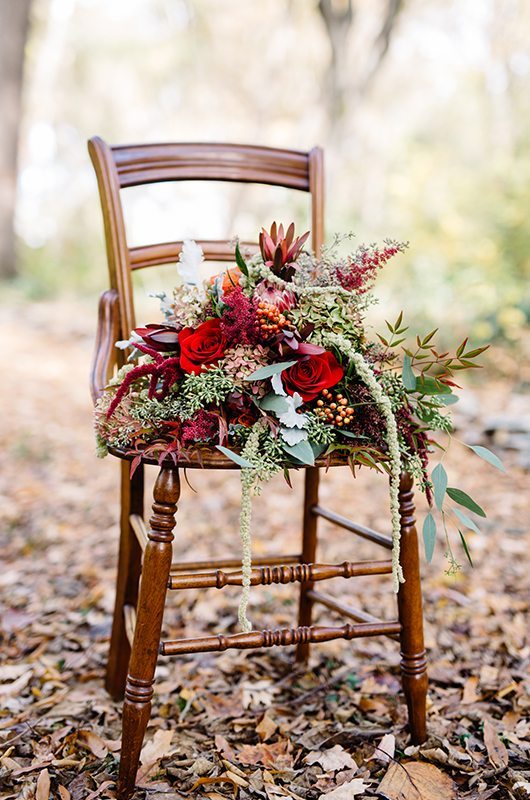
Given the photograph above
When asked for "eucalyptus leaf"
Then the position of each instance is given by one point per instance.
(274, 402)
(429, 536)
(467, 521)
(239, 460)
(439, 482)
(317, 449)
(426, 384)
(448, 399)
(408, 377)
(349, 434)
(466, 548)
(302, 452)
(465, 500)
(270, 370)
(488, 456)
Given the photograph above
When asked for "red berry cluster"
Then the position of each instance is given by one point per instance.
(271, 321)
(334, 409)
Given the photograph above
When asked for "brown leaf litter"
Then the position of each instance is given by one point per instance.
(252, 725)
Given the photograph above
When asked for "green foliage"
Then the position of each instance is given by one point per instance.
(429, 536)
(465, 500)
(197, 391)
(439, 482)
(488, 456)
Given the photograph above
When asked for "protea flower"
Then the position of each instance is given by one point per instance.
(280, 250)
(282, 299)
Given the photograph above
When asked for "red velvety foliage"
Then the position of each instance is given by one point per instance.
(239, 322)
(167, 370)
(202, 427)
(310, 375)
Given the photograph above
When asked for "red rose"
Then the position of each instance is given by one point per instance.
(201, 347)
(310, 375)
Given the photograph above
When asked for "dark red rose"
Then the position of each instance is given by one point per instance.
(163, 338)
(201, 347)
(310, 375)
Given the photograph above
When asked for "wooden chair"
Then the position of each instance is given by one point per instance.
(141, 587)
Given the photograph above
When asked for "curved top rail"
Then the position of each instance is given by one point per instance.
(150, 163)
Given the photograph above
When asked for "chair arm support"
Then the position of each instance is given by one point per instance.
(108, 331)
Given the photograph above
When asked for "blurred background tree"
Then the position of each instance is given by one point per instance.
(14, 25)
(422, 105)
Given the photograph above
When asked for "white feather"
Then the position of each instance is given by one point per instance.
(190, 260)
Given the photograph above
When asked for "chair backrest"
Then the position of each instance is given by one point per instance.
(118, 167)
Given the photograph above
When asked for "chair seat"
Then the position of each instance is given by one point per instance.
(205, 457)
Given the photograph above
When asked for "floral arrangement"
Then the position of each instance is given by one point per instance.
(271, 363)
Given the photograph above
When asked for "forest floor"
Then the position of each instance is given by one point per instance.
(243, 724)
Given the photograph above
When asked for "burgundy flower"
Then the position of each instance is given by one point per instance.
(201, 347)
(310, 375)
(282, 299)
(280, 250)
(163, 338)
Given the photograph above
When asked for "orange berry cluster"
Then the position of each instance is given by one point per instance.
(334, 409)
(271, 321)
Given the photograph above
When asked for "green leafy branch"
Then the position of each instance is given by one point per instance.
(442, 491)
(419, 363)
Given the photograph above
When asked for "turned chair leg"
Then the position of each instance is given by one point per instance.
(413, 661)
(146, 643)
(129, 567)
(309, 546)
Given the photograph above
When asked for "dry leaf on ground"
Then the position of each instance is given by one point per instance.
(332, 760)
(346, 791)
(277, 755)
(416, 781)
(155, 749)
(497, 753)
(93, 742)
(266, 728)
(43, 786)
(385, 749)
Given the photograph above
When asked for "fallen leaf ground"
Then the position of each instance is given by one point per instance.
(245, 725)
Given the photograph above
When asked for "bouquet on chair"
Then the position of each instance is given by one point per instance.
(270, 363)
